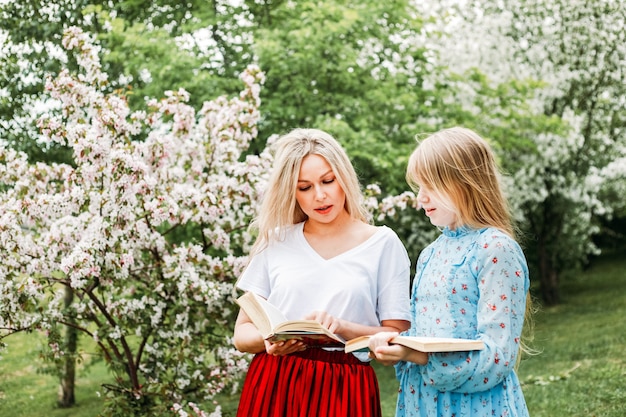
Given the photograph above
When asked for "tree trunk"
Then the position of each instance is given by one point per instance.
(549, 278)
(68, 376)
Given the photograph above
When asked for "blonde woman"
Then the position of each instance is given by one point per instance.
(471, 282)
(317, 257)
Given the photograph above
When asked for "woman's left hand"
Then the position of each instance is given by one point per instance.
(333, 324)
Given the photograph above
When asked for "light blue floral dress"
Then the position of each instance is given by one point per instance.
(469, 284)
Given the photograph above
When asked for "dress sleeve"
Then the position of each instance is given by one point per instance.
(502, 278)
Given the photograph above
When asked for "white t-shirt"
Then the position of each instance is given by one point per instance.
(367, 284)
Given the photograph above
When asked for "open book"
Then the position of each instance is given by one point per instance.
(423, 344)
(274, 326)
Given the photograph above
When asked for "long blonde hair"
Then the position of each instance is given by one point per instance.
(279, 207)
(460, 165)
(457, 164)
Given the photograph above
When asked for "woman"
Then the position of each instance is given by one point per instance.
(316, 257)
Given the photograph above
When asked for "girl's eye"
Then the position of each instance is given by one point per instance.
(330, 181)
(304, 188)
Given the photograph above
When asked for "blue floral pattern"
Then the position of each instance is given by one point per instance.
(469, 284)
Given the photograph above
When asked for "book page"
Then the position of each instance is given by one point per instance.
(274, 315)
(274, 326)
(423, 344)
(438, 344)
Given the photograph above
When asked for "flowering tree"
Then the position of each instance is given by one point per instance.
(144, 234)
(570, 185)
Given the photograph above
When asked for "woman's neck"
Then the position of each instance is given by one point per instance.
(336, 227)
(341, 235)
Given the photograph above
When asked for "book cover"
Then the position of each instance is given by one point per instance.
(274, 326)
(421, 343)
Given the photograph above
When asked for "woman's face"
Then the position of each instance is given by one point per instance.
(439, 210)
(318, 192)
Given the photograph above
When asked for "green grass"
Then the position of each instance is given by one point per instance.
(581, 368)
(580, 371)
(26, 392)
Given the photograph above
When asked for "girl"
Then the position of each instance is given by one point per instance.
(471, 282)
(316, 257)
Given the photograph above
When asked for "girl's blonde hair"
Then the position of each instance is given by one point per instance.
(279, 207)
(459, 165)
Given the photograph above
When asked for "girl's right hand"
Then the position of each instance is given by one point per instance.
(381, 350)
(381, 339)
(390, 354)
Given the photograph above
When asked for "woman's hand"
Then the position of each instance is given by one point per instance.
(248, 339)
(333, 324)
(284, 347)
(349, 330)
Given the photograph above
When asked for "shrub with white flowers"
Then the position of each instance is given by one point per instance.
(148, 229)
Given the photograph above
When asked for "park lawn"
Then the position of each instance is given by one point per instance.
(27, 392)
(579, 371)
(581, 367)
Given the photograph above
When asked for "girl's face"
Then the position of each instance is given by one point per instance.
(439, 209)
(318, 193)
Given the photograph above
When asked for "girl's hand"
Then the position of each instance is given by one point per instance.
(284, 347)
(390, 354)
(381, 339)
(382, 351)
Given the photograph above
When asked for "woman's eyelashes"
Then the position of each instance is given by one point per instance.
(308, 187)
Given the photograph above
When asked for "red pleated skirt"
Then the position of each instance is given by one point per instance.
(313, 383)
